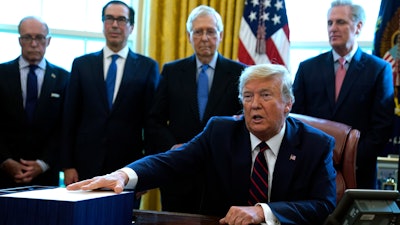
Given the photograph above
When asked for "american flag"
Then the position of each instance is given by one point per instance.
(264, 33)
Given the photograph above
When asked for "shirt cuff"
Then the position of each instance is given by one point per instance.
(132, 176)
(43, 165)
(270, 218)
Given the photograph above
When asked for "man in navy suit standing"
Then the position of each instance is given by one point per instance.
(364, 100)
(175, 117)
(30, 131)
(104, 123)
(301, 187)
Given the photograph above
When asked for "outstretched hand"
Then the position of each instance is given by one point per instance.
(115, 181)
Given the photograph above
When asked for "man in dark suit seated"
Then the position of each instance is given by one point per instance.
(32, 97)
(297, 186)
(176, 117)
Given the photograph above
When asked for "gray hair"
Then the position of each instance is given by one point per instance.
(268, 70)
(204, 10)
(33, 18)
(357, 12)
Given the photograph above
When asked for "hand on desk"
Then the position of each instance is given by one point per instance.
(115, 181)
(243, 215)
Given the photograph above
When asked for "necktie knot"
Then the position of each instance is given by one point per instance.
(342, 61)
(263, 146)
(114, 58)
(32, 68)
(204, 67)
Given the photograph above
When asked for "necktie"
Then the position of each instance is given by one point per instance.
(202, 90)
(258, 191)
(340, 73)
(110, 79)
(31, 92)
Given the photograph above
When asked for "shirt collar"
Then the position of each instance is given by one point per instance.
(274, 143)
(348, 57)
(23, 63)
(212, 63)
(123, 53)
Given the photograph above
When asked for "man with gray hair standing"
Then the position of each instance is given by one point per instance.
(191, 91)
(32, 97)
(349, 86)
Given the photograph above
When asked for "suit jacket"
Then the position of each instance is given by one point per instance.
(174, 117)
(41, 138)
(365, 102)
(99, 140)
(303, 190)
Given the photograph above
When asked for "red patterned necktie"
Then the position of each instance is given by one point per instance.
(258, 191)
(340, 73)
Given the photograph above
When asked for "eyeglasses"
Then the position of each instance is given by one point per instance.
(27, 39)
(121, 21)
(211, 33)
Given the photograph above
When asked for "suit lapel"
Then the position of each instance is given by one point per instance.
(188, 84)
(130, 71)
(222, 77)
(355, 69)
(285, 163)
(14, 86)
(240, 168)
(328, 72)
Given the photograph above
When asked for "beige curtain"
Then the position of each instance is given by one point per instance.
(168, 41)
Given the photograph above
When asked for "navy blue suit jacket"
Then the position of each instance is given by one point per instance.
(365, 102)
(174, 117)
(99, 140)
(40, 139)
(303, 189)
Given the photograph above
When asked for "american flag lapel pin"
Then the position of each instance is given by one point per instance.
(292, 157)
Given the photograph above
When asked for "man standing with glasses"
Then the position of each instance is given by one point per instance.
(107, 101)
(32, 95)
(183, 105)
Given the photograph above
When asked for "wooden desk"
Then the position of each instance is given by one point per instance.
(148, 217)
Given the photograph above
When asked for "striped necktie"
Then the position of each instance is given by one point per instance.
(258, 191)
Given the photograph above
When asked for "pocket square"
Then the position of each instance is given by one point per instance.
(55, 95)
(53, 75)
(292, 157)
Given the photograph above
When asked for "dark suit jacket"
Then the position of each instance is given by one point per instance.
(174, 118)
(365, 102)
(99, 140)
(303, 190)
(41, 138)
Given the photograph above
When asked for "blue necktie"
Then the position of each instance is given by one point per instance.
(110, 80)
(258, 192)
(202, 90)
(31, 92)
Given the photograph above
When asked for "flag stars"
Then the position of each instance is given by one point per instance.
(278, 5)
(265, 16)
(267, 3)
(252, 16)
(255, 3)
(276, 19)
